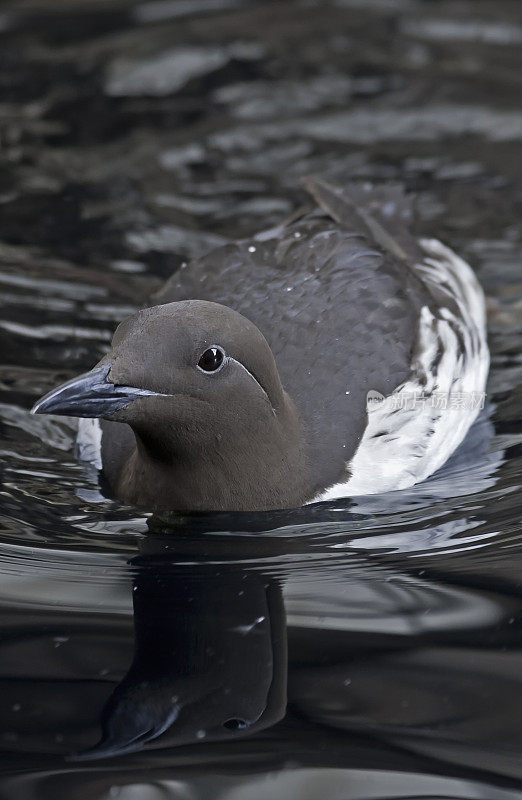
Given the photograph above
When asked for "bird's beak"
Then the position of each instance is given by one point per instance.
(89, 395)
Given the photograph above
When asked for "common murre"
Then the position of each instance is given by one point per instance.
(246, 386)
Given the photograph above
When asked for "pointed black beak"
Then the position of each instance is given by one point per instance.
(89, 395)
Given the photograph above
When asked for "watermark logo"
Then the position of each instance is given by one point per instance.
(374, 399)
(469, 401)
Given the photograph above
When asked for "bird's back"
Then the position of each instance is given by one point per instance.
(341, 295)
(339, 313)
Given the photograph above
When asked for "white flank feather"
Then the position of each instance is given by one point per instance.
(402, 448)
(88, 442)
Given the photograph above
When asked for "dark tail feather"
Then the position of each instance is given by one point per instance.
(385, 212)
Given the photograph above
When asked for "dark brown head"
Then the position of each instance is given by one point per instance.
(198, 384)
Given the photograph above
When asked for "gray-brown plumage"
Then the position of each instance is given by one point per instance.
(310, 317)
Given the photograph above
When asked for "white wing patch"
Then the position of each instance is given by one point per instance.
(88, 442)
(404, 445)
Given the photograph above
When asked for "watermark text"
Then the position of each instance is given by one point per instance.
(470, 401)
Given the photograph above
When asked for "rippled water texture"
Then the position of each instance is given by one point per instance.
(133, 137)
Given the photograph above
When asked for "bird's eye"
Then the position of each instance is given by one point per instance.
(235, 724)
(212, 360)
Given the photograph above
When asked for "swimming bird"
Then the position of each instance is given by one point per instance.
(334, 355)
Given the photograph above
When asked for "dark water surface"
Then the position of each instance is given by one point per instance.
(134, 136)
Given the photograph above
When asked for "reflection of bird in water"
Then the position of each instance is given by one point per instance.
(209, 661)
(373, 651)
(254, 395)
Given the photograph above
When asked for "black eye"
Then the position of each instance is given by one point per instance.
(235, 724)
(212, 359)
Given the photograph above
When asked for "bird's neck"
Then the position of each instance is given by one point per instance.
(265, 469)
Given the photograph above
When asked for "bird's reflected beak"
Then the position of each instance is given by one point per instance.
(89, 395)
